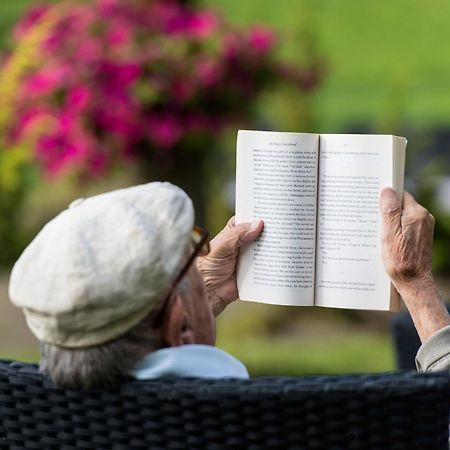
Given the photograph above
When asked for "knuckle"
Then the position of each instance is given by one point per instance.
(231, 222)
(424, 214)
(421, 213)
(390, 222)
(392, 213)
(403, 267)
(405, 270)
(418, 215)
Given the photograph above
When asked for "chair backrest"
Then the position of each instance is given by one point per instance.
(383, 411)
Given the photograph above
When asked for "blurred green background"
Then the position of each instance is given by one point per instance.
(387, 70)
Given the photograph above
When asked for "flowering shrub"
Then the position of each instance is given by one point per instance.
(115, 80)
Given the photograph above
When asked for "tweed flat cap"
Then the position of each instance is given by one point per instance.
(100, 266)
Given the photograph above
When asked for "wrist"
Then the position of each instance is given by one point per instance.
(426, 306)
(417, 287)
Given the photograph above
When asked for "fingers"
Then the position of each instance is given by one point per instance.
(231, 222)
(233, 235)
(409, 202)
(390, 202)
(432, 219)
(413, 212)
(391, 211)
(406, 237)
(243, 232)
(253, 230)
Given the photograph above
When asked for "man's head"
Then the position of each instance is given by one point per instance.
(97, 277)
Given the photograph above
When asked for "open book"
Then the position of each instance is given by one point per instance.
(318, 196)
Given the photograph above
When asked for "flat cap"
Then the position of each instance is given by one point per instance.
(100, 266)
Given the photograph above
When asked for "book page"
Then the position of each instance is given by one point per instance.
(276, 180)
(353, 170)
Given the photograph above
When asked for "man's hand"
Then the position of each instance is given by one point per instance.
(219, 266)
(407, 238)
(407, 241)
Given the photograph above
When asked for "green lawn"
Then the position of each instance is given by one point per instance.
(273, 340)
(274, 356)
(385, 57)
(293, 357)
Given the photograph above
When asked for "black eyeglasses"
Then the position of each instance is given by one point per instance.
(200, 243)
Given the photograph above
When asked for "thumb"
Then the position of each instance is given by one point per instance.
(390, 207)
(236, 234)
(250, 231)
(233, 235)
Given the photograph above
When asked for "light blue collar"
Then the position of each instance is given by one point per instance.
(199, 361)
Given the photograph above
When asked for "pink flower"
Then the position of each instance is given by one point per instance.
(164, 131)
(231, 46)
(69, 32)
(30, 18)
(28, 123)
(119, 33)
(183, 21)
(177, 24)
(78, 99)
(108, 7)
(117, 114)
(89, 51)
(115, 77)
(202, 24)
(66, 145)
(261, 39)
(46, 81)
(118, 121)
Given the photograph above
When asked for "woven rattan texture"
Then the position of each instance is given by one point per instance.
(400, 411)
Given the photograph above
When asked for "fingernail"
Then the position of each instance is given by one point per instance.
(388, 194)
(255, 225)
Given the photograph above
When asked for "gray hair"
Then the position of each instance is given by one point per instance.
(103, 366)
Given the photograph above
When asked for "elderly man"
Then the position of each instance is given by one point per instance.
(122, 285)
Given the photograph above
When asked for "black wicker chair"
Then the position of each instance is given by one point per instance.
(384, 411)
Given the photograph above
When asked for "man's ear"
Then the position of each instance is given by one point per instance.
(176, 327)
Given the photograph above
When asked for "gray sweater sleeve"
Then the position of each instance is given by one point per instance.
(434, 354)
